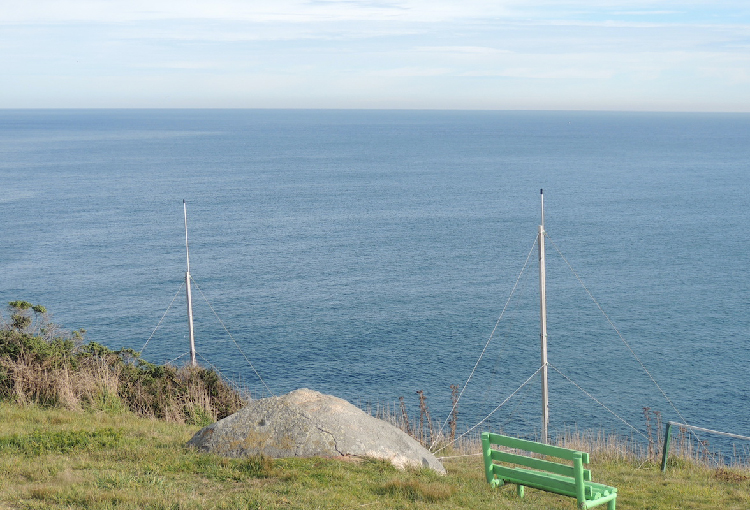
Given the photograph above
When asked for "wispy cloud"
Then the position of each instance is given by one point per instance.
(390, 53)
(461, 50)
(241, 10)
(410, 71)
(645, 13)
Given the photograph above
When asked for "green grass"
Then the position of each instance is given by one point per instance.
(54, 458)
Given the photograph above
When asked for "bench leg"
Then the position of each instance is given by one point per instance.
(611, 505)
(520, 491)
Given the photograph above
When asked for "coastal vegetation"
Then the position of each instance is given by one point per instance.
(43, 364)
(82, 426)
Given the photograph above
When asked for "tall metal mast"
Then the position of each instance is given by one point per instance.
(543, 319)
(189, 295)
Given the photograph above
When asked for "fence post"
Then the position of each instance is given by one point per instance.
(487, 454)
(665, 452)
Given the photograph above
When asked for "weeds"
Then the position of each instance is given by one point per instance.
(454, 412)
(424, 437)
(405, 426)
(423, 430)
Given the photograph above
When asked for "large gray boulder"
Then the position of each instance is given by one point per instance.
(305, 423)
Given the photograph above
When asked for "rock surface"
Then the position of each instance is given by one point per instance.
(305, 423)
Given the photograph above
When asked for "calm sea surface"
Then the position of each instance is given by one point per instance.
(369, 254)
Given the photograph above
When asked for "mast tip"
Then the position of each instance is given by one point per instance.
(541, 191)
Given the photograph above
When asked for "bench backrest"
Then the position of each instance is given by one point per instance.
(558, 468)
(561, 478)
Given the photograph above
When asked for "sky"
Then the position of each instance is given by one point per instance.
(634, 55)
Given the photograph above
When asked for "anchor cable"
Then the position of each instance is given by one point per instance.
(488, 340)
(230, 336)
(617, 331)
(490, 414)
(596, 400)
(627, 345)
(162, 318)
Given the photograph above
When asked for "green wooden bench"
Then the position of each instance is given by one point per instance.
(550, 476)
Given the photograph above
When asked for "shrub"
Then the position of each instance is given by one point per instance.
(42, 364)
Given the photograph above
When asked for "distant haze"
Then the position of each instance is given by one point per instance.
(472, 54)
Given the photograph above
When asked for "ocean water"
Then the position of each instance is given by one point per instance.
(369, 254)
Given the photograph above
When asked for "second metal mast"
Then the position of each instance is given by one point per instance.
(189, 295)
(543, 319)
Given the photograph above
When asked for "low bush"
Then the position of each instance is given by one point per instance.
(44, 365)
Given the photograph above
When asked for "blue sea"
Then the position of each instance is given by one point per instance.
(369, 254)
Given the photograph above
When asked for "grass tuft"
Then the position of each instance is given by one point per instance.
(415, 490)
(731, 475)
(38, 443)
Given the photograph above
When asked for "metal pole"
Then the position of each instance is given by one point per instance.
(543, 319)
(189, 294)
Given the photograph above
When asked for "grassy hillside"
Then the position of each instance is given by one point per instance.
(82, 426)
(57, 458)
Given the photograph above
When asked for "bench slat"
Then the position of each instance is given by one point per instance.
(531, 446)
(542, 465)
(536, 480)
(592, 490)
